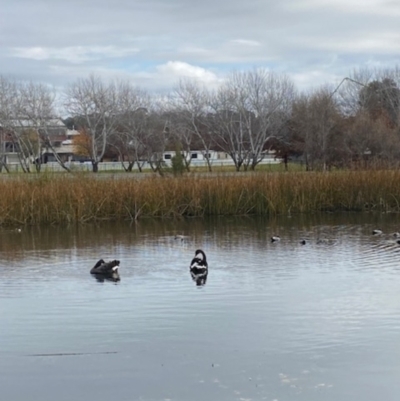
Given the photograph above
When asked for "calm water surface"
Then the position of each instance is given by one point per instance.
(275, 321)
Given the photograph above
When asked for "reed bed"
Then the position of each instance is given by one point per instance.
(55, 199)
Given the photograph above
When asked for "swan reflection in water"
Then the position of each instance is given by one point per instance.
(106, 271)
(199, 268)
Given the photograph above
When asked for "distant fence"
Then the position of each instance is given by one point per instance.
(117, 166)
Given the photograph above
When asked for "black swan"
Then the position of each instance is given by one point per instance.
(199, 267)
(105, 268)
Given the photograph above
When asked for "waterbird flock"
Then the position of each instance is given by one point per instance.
(198, 266)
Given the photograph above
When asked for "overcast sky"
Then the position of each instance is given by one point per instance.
(155, 42)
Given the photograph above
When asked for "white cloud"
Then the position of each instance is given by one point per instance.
(376, 7)
(366, 43)
(161, 77)
(311, 79)
(376, 43)
(246, 42)
(73, 54)
(174, 70)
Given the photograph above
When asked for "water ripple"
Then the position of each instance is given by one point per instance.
(274, 320)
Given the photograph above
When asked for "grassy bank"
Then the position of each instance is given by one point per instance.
(52, 199)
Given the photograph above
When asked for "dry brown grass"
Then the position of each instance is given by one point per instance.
(53, 199)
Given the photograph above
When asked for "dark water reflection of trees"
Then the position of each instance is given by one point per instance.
(222, 231)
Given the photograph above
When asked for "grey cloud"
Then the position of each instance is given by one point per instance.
(57, 41)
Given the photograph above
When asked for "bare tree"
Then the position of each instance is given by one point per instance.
(228, 129)
(38, 113)
(315, 119)
(132, 127)
(156, 139)
(15, 128)
(347, 93)
(374, 90)
(323, 115)
(370, 103)
(9, 103)
(249, 110)
(95, 104)
(301, 136)
(189, 110)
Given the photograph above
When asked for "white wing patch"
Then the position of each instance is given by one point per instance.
(197, 276)
(194, 265)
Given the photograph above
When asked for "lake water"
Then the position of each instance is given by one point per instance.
(274, 321)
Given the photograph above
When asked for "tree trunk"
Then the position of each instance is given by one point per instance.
(4, 164)
(38, 166)
(208, 164)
